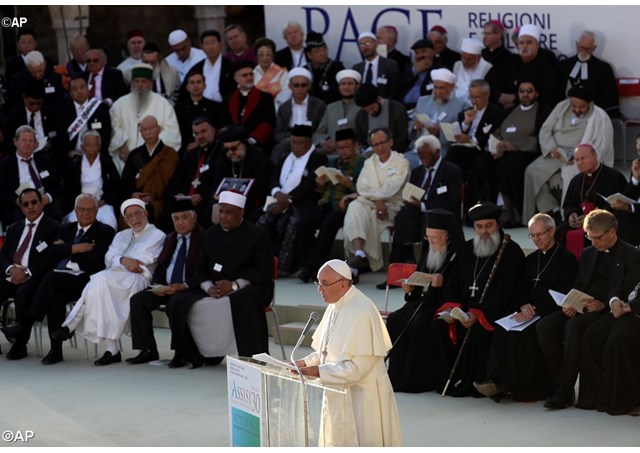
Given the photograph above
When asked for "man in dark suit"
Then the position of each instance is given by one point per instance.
(36, 69)
(94, 116)
(442, 182)
(26, 43)
(445, 57)
(324, 84)
(34, 113)
(376, 70)
(373, 107)
(25, 259)
(250, 107)
(176, 271)
(106, 84)
(293, 55)
(415, 80)
(301, 108)
(194, 175)
(78, 47)
(234, 284)
(294, 188)
(211, 44)
(470, 150)
(26, 169)
(77, 253)
(388, 35)
(603, 274)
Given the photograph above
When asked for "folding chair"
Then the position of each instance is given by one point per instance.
(271, 308)
(395, 272)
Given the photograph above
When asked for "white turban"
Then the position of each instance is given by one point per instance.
(300, 72)
(472, 46)
(233, 198)
(443, 75)
(366, 34)
(132, 202)
(530, 30)
(348, 73)
(177, 36)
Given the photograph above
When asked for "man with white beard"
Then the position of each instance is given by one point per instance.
(129, 110)
(480, 300)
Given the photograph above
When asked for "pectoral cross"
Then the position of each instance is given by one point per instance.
(473, 289)
(195, 183)
(536, 280)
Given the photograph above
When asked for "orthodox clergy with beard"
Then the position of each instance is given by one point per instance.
(518, 146)
(585, 193)
(129, 110)
(409, 327)
(516, 363)
(472, 313)
(149, 168)
(440, 107)
(102, 312)
(349, 348)
(573, 121)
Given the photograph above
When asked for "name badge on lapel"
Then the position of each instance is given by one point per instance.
(41, 247)
(96, 125)
(487, 128)
(217, 267)
(382, 80)
(442, 189)
(44, 174)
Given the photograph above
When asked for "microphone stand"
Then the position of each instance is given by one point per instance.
(305, 403)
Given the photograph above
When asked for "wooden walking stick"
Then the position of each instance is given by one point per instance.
(503, 247)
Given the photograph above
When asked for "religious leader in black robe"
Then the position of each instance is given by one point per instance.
(410, 326)
(516, 363)
(501, 300)
(610, 364)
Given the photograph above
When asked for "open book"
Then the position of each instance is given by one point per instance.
(618, 197)
(425, 120)
(510, 323)
(417, 279)
(572, 299)
(492, 146)
(456, 313)
(450, 130)
(330, 173)
(411, 190)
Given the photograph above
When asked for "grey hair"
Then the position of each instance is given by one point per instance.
(88, 196)
(292, 24)
(545, 219)
(480, 83)
(25, 130)
(34, 58)
(428, 140)
(92, 134)
(589, 34)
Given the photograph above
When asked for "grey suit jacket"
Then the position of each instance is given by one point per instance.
(315, 112)
(387, 69)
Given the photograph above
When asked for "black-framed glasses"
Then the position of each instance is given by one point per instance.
(595, 238)
(538, 235)
(232, 149)
(92, 60)
(26, 204)
(526, 90)
(299, 85)
(326, 285)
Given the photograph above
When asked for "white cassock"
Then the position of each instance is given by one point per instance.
(351, 343)
(377, 181)
(104, 303)
(125, 118)
(465, 76)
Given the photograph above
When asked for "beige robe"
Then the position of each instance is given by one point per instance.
(557, 131)
(351, 343)
(376, 182)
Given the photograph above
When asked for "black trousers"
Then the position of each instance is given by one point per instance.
(333, 221)
(141, 306)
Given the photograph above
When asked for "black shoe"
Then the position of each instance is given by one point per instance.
(178, 361)
(12, 331)
(52, 357)
(145, 356)
(491, 389)
(61, 334)
(213, 361)
(561, 398)
(108, 358)
(383, 285)
(358, 262)
(196, 362)
(18, 351)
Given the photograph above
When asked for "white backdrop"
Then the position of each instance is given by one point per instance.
(615, 26)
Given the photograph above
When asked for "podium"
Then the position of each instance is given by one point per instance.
(266, 406)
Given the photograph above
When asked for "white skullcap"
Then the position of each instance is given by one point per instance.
(472, 46)
(341, 267)
(348, 73)
(443, 75)
(177, 36)
(132, 202)
(233, 198)
(530, 30)
(366, 34)
(300, 72)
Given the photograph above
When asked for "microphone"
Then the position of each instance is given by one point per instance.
(313, 317)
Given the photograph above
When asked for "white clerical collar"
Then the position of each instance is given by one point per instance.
(245, 92)
(527, 108)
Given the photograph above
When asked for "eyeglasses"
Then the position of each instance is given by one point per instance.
(526, 90)
(25, 204)
(595, 238)
(232, 149)
(92, 60)
(367, 43)
(539, 235)
(326, 285)
(299, 85)
(376, 145)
